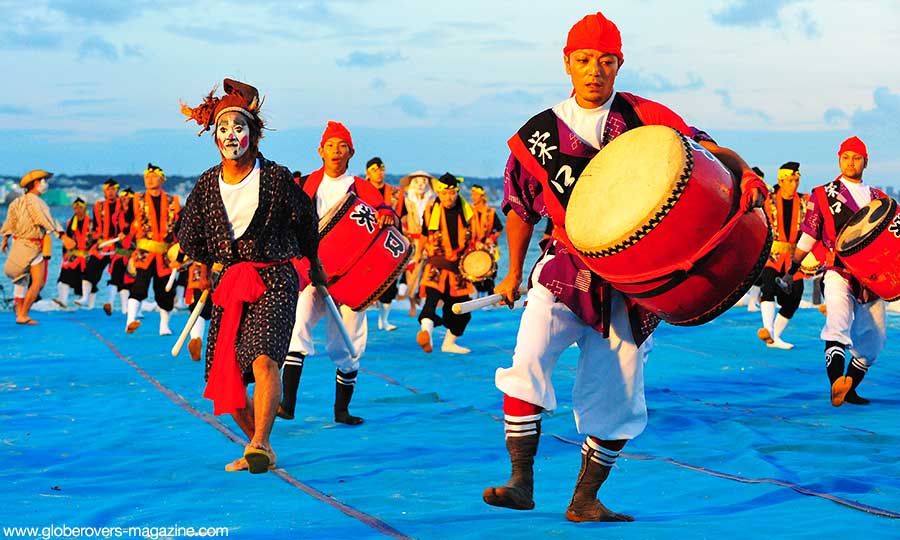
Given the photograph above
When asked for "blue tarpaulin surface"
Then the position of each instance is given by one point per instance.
(100, 428)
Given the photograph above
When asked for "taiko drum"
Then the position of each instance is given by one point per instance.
(657, 215)
(869, 246)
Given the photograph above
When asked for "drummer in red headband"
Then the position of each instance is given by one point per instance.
(326, 187)
(249, 216)
(855, 317)
(568, 303)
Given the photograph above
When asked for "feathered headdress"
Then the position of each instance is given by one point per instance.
(238, 97)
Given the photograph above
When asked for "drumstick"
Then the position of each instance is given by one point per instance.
(190, 322)
(103, 244)
(172, 277)
(478, 303)
(336, 315)
(216, 268)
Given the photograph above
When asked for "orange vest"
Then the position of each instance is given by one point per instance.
(154, 236)
(483, 224)
(784, 242)
(437, 243)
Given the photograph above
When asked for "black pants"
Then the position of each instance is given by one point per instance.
(789, 302)
(455, 323)
(93, 271)
(389, 294)
(117, 275)
(140, 287)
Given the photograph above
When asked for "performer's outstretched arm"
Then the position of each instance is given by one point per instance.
(518, 236)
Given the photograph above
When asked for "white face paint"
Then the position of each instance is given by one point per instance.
(232, 135)
(42, 186)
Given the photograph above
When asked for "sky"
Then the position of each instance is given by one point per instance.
(93, 87)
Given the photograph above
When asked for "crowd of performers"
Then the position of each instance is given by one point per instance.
(263, 241)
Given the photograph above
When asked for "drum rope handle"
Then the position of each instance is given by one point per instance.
(684, 266)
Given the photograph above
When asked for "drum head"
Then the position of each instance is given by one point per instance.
(810, 265)
(476, 265)
(625, 186)
(865, 225)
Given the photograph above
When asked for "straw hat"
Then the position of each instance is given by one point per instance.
(404, 182)
(36, 174)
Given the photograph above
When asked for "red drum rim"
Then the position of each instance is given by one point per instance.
(879, 211)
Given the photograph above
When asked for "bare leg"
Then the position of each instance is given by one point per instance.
(266, 394)
(244, 418)
(37, 282)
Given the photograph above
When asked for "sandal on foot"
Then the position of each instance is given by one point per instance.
(259, 460)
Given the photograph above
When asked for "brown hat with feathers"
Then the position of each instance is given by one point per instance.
(240, 97)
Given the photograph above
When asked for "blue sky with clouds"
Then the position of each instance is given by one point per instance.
(94, 87)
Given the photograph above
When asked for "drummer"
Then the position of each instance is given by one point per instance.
(327, 187)
(566, 303)
(486, 228)
(785, 208)
(394, 197)
(419, 194)
(446, 235)
(855, 317)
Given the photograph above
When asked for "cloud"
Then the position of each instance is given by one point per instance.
(97, 47)
(411, 106)
(741, 111)
(212, 34)
(362, 59)
(751, 13)
(98, 11)
(835, 116)
(656, 83)
(378, 84)
(81, 102)
(14, 110)
(132, 51)
(32, 37)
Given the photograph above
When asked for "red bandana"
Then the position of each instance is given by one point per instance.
(854, 144)
(336, 129)
(595, 32)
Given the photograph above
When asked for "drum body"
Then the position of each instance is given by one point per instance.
(814, 262)
(477, 265)
(656, 215)
(360, 259)
(869, 246)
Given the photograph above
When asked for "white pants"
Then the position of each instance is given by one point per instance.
(608, 395)
(860, 326)
(310, 309)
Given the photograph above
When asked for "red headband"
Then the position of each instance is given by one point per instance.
(336, 129)
(854, 144)
(595, 32)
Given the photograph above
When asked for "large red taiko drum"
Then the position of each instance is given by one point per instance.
(360, 258)
(869, 246)
(657, 215)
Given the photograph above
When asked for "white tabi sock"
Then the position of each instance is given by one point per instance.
(450, 345)
(85, 293)
(767, 310)
(62, 293)
(123, 295)
(199, 328)
(164, 329)
(781, 323)
(133, 307)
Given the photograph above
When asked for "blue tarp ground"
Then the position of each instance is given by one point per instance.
(100, 428)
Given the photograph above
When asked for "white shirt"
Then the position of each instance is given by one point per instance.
(859, 191)
(588, 124)
(241, 200)
(330, 191)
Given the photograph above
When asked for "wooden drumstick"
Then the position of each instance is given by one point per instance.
(336, 316)
(216, 268)
(172, 277)
(110, 242)
(478, 303)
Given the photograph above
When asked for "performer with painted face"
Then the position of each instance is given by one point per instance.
(108, 223)
(567, 303)
(155, 215)
(786, 209)
(446, 235)
(74, 261)
(248, 216)
(327, 187)
(419, 194)
(855, 317)
(28, 220)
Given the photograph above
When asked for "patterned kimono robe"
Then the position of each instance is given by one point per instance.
(284, 226)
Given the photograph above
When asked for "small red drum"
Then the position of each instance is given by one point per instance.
(656, 215)
(477, 265)
(360, 259)
(869, 246)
